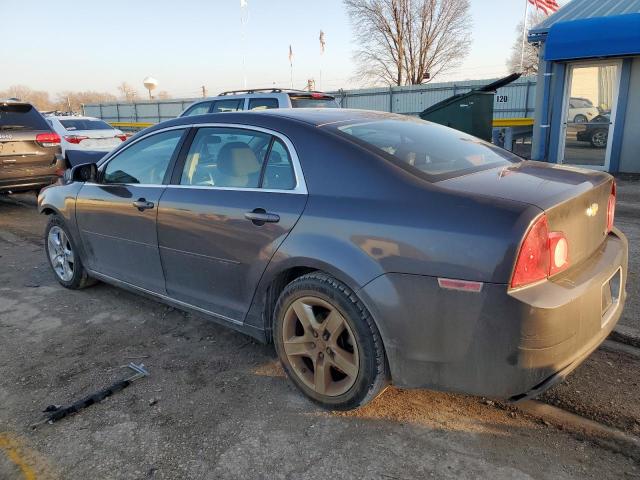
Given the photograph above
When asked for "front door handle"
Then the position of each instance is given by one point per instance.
(141, 204)
(259, 216)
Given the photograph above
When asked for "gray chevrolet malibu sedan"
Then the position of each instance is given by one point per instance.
(370, 248)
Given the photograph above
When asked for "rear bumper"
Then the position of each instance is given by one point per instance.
(25, 184)
(509, 344)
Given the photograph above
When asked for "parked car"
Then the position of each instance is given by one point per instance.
(581, 110)
(369, 247)
(260, 99)
(29, 150)
(86, 134)
(596, 131)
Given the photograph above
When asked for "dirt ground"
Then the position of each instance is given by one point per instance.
(606, 388)
(217, 405)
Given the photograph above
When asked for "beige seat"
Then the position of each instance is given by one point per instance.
(238, 166)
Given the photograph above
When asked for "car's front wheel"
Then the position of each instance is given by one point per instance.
(63, 256)
(328, 343)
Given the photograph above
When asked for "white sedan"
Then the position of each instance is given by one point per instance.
(85, 134)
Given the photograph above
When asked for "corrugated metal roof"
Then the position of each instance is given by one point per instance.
(579, 9)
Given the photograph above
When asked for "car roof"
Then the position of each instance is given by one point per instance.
(324, 116)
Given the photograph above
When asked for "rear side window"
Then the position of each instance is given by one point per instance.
(197, 109)
(278, 173)
(263, 103)
(21, 117)
(425, 148)
(144, 162)
(85, 124)
(311, 102)
(222, 106)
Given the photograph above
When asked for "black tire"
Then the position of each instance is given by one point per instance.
(599, 138)
(580, 118)
(80, 278)
(373, 372)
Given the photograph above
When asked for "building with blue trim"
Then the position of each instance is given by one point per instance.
(588, 90)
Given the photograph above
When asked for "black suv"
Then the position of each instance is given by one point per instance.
(30, 155)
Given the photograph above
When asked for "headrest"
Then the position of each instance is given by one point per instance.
(236, 159)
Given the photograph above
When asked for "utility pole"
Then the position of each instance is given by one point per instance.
(204, 91)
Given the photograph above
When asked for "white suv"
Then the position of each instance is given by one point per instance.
(260, 99)
(581, 110)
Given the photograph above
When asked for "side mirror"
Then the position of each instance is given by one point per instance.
(87, 172)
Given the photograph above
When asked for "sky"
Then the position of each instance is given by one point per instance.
(184, 44)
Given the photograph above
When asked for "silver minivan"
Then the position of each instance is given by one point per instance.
(260, 99)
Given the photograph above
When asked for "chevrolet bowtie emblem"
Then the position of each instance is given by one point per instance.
(592, 210)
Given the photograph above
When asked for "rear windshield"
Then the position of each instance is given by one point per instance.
(85, 124)
(310, 102)
(21, 117)
(427, 149)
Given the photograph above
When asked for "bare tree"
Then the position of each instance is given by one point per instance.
(129, 93)
(404, 42)
(163, 95)
(38, 98)
(530, 63)
(72, 101)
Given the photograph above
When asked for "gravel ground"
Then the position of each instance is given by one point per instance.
(606, 388)
(217, 405)
(628, 220)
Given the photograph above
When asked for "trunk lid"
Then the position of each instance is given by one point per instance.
(103, 140)
(574, 200)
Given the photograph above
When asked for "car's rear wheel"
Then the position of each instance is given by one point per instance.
(599, 138)
(63, 256)
(579, 118)
(328, 343)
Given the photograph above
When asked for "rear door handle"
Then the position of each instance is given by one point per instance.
(141, 204)
(260, 216)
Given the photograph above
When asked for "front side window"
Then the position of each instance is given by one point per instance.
(144, 162)
(263, 103)
(198, 109)
(222, 106)
(427, 148)
(225, 157)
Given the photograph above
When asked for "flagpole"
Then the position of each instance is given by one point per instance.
(243, 21)
(524, 33)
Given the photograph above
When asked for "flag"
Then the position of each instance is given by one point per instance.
(547, 6)
(290, 55)
(322, 42)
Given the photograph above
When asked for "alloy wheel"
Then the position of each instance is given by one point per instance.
(320, 346)
(61, 254)
(599, 139)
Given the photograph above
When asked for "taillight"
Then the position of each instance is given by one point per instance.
(75, 139)
(541, 255)
(122, 137)
(317, 95)
(611, 207)
(48, 139)
(533, 260)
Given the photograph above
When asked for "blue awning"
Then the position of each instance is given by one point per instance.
(594, 37)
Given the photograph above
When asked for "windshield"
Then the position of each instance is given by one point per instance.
(426, 148)
(85, 124)
(310, 102)
(21, 117)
